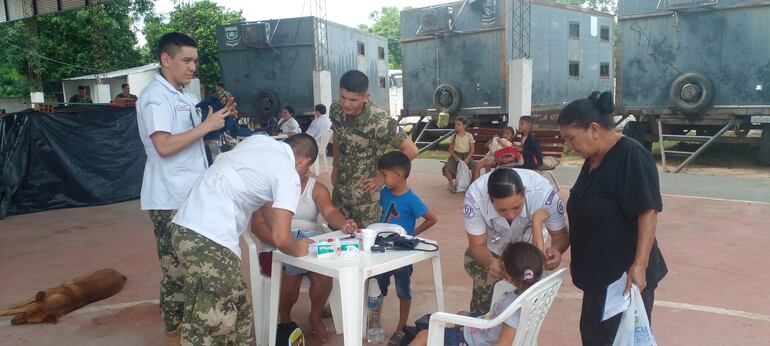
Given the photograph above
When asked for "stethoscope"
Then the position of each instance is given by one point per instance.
(496, 237)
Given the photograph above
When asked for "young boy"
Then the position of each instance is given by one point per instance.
(530, 145)
(401, 206)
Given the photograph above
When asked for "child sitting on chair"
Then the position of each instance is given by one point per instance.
(488, 162)
(460, 149)
(400, 206)
(523, 267)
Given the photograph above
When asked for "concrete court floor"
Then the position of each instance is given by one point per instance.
(716, 292)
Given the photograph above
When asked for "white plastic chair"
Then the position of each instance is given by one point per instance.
(534, 305)
(260, 292)
(323, 142)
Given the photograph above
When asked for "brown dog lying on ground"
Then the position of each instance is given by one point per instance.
(49, 305)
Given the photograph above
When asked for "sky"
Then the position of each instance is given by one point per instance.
(346, 12)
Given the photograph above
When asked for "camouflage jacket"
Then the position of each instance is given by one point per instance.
(361, 140)
(78, 99)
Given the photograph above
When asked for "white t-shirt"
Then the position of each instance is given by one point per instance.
(257, 171)
(290, 125)
(167, 181)
(482, 218)
(487, 337)
(319, 125)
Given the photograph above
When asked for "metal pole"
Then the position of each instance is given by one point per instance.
(705, 145)
(662, 148)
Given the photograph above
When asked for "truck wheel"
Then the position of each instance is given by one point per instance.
(638, 130)
(446, 96)
(691, 93)
(266, 104)
(764, 146)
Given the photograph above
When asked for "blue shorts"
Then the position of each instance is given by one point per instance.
(403, 278)
(453, 336)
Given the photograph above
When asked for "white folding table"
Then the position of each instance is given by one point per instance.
(350, 276)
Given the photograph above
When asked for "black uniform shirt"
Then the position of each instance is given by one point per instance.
(603, 209)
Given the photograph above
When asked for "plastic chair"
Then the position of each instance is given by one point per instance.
(323, 142)
(260, 289)
(534, 305)
(260, 292)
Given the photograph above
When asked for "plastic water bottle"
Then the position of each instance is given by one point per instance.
(375, 334)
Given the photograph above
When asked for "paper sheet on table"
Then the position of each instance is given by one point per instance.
(616, 302)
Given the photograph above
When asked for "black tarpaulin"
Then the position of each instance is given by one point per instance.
(74, 157)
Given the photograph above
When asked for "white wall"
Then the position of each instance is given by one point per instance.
(138, 81)
(115, 84)
(12, 105)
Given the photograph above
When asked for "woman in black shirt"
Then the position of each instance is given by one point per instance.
(612, 211)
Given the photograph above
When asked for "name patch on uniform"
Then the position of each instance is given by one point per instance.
(560, 206)
(549, 200)
(183, 108)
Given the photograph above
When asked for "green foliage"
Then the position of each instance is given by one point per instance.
(599, 5)
(387, 23)
(199, 20)
(85, 41)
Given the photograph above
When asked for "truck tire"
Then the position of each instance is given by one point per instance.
(764, 146)
(446, 96)
(638, 130)
(691, 93)
(266, 104)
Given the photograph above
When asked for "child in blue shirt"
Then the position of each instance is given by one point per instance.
(401, 206)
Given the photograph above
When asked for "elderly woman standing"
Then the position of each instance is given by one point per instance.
(612, 209)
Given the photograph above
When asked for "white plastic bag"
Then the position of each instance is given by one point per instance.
(634, 329)
(463, 176)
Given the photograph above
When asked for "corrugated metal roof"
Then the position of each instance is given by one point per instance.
(119, 73)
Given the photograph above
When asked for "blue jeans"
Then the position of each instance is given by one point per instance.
(403, 278)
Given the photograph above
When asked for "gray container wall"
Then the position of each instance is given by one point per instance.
(475, 58)
(633, 7)
(343, 56)
(286, 68)
(730, 46)
(552, 49)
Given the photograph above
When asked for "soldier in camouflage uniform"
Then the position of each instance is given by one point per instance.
(221, 92)
(481, 299)
(217, 310)
(172, 282)
(216, 213)
(362, 132)
(81, 96)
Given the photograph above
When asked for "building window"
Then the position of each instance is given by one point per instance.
(383, 82)
(604, 70)
(605, 34)
(381, 52)
(574, 69)
(574, 30)
(361, 49)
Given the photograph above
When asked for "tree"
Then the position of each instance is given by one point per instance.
(387, 23)
(199, 20)
(599, 5)
(85, 41)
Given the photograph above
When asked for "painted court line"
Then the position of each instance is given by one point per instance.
(567, 187)
(691, 307)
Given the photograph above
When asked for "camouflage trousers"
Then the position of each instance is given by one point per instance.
(363, 207)
(172, 282)
(481, 298)
(217, 309)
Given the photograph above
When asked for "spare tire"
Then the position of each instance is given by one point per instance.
(691, 93)
(266, 104)
(446, 96)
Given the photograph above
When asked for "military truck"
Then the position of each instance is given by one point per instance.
(695, 71)
(456, 56)
(269, 64)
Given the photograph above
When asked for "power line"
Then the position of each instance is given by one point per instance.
(47, 58)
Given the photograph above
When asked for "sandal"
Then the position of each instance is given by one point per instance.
(395, 339)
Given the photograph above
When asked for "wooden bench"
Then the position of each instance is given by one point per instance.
(551, 143)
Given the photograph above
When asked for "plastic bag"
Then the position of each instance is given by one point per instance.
(463, 176)
(634, 329)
